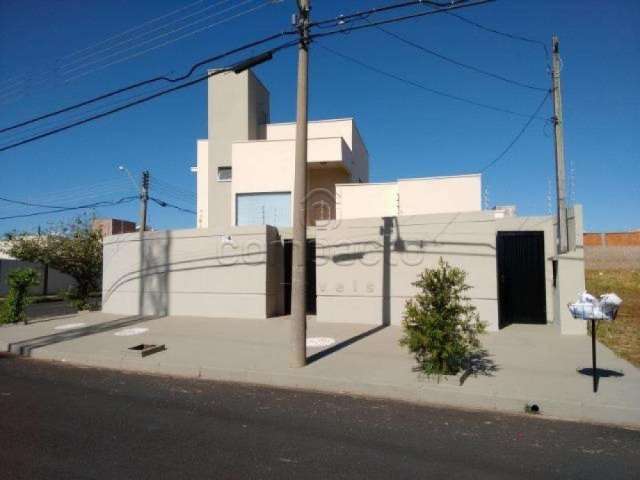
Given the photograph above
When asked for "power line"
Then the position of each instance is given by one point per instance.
(149, 81)
(419, 85)
(504, 34)
(517, 137)
(242, 65)
(43, 80)
(402, 18)
(162, 203)
(159, 45)
(343, 19)
(459, 63)
(86, 52)
(67, 209)
(19, 77)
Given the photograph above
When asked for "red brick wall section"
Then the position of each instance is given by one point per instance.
(593, 239)
(612, 239)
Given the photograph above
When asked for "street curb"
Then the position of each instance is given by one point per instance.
(450, 396)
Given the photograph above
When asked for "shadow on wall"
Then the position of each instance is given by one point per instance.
(156, 265)
(155, 261)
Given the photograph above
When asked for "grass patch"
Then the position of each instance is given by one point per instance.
(623, 335)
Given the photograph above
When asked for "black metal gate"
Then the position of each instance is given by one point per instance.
(521, 279)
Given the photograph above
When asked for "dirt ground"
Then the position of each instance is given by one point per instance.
(622, 335)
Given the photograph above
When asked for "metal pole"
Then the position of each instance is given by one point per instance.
(593, 355)
(298, 339)
(558, 122)
(144, 200)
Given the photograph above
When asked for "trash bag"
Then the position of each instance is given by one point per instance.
(588, 307)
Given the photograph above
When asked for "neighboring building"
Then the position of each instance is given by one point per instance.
(367, 242)
(113, 226)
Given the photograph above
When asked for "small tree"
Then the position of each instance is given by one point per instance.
(74, 249)
(441, 327)
(19, 280)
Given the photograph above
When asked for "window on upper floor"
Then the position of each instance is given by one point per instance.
(224, 174)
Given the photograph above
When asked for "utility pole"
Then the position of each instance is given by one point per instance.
(558, 122)
(298, 336)
(144, 200)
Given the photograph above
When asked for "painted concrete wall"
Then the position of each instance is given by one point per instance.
(345, 128)
(421, 196)
(202, 184)
(200, 272)
(268, 166)
(570, 280)
(417, 196)
(238, 109)
(365, 267)
(367, 200)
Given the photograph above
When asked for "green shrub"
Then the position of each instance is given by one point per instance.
(74, 248)
(19, 280)
(441, 327)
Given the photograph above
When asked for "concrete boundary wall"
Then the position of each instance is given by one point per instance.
(55, 281)
(365, 267)
(199, 272)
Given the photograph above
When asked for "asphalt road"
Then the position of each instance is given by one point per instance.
(62, 422)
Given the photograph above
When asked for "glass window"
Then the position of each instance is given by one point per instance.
(224, 174)
(264, 209)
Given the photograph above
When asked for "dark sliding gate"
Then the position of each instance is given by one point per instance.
(521, 279)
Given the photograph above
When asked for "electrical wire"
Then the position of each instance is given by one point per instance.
(141, 100)
(269, 52)
(162, 203)
(149, 81)
(86, 195)
(88, 53)
(45, 76)
(402, 18)
(159, 45)
(420, 85)
(504, 34)
(68, 209)
(517, 137)
(343, 19)
(459, 63)
(20, 77)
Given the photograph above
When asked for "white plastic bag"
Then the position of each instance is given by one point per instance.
(588, 307)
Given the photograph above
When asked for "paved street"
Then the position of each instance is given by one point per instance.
(64, 422)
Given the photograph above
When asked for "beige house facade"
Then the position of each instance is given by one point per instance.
(368, 242)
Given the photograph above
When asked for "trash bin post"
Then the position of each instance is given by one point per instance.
(593, 355)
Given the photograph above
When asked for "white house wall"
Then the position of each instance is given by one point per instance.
(421, 196)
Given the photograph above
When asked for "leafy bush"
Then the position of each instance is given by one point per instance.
(19, 280)
(441, 327)
(74, 249)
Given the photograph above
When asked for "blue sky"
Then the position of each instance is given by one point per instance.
(409, 132)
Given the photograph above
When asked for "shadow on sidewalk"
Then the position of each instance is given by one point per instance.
(479, 363)
(25, 347)
(344, 344)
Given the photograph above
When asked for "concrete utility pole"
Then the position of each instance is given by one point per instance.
(558, 122)
(298, 340)
(144, 200)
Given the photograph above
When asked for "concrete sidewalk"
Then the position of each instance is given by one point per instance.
(525, 363)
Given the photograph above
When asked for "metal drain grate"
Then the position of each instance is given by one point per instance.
(145, 349)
